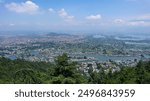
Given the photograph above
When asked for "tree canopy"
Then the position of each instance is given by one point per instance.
(65, 71)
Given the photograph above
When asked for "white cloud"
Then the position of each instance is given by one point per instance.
(51, 10)
(144, 17)
(94, 17)
(27, 7)
(143, 20)
(136, 23)
(119, 21)
(11, 24)
(139, 23)
(62, 13)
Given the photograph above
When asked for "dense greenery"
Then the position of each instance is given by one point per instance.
(64, 71)
(127, 75)
(21, 71)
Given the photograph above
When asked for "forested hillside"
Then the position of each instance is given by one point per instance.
(64, 71)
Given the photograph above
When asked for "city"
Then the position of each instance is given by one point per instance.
(89, 51)
(74, 41)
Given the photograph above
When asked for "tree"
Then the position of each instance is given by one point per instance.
(26, 76)
(140, 72)
(66, 71)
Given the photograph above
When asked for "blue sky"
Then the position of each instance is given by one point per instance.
(76, 15)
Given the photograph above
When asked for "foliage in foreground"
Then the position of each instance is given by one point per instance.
(64, 71)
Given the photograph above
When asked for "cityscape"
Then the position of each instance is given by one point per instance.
(56, 43)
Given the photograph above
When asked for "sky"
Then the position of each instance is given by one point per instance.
(76, 15)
